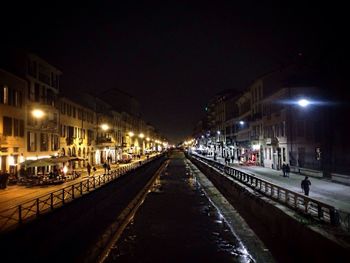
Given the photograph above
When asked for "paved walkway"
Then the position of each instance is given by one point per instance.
(335, 194)
(16, 194)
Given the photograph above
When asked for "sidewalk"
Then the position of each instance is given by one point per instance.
(335, 194)
(17, 194)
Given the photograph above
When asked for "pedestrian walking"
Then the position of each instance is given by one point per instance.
(4, 178)
(305, 185)
(88, 168)
(105, 166)
(108, 167)
(287, 170)
(284, 169)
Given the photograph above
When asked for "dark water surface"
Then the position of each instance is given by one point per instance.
(177, 223)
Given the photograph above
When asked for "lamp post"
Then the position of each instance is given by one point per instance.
(131, 134)
(302, 103)
(141, 136)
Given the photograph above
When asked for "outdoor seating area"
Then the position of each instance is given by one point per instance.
(46, 171)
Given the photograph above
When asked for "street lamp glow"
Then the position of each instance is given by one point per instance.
(148, 139)
(218, 132)
(131, 134)
(303, 103)
(141, 135)
(104, 127)
(38, 113)
(241, 122)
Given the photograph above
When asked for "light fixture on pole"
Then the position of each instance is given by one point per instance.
(37, 113)
(104, 127)
(303, 102)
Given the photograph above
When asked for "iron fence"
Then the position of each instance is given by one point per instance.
(299, 202)
(26, 211)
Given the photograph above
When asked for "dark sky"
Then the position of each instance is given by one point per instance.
(173, 57)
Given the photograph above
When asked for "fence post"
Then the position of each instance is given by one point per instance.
(51, 201)
(20, 214)
(334, 216)
(37, 207)
(73, 191)
(319, 211)
(63, 196)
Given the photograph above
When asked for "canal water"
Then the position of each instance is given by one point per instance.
(178, 223)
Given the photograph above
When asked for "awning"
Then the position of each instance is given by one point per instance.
(39, 162)
(49, 161)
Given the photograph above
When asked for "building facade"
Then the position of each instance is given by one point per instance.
(38, 121)
(12, 121)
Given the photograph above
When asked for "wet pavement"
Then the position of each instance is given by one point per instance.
(178, 223)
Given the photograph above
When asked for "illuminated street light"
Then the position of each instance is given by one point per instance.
(141, 135)
(218, 132)
(38, 113)
(104, 127)
(131, 134)
(241, 122)
(148, 139)
(303, 103)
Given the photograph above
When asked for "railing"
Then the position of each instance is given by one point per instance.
(16, 215)
(301, 203)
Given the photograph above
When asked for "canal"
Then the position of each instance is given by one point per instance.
(178, 223)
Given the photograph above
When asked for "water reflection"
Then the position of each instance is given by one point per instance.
(155, 234)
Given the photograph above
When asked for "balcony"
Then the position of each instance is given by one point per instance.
(104, 141)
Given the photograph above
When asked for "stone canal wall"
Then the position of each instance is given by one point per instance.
(290, 236)
(68, 233)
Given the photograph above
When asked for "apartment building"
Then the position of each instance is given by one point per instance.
(12, 121)
(77, 131)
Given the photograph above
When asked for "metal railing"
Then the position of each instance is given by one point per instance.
(16, 215)
(299, 202)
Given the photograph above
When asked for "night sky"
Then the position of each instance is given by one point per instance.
(173, 57)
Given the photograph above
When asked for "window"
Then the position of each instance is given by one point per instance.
(31, 141)
(7, 126)
(21, 128)
(283, 125)
(300, 128)
(54, 142)
(5, 98)
(43, 142)
(37, 92)
(15, 127)
(32, 68)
